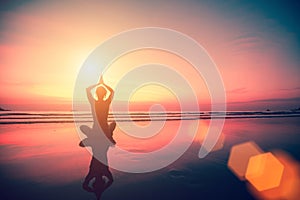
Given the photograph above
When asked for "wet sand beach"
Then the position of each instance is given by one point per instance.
(44, 161)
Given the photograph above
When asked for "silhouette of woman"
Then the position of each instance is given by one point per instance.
(101, 107)
(99, 178)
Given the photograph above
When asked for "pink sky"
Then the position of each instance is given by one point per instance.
(44, 44)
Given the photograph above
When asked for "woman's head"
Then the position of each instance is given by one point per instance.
(100, 92)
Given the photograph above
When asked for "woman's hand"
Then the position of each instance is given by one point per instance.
(101, 80)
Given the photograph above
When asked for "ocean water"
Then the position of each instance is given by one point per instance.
(29, 117)
(40, 157)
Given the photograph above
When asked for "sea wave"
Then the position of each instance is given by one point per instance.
(13, 117)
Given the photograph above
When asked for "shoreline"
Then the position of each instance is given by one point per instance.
(68, 118)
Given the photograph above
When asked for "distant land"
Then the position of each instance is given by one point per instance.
(2, 109)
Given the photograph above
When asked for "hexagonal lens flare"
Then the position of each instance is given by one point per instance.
(289, 184)
(264, 171)
(239, 158)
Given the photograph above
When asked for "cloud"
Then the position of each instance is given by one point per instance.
(290, 89)
(271, 100)
(295, 99)
(238, 90)
(263, 104)
(19, 83)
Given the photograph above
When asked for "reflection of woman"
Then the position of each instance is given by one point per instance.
(100, 106)
(101, 175)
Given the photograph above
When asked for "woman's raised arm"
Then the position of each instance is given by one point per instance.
(89, 92)
(108, 88)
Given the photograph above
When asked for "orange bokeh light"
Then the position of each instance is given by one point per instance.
(239, 158)
(264, 171)
(202, 130)
(290, 181)
(219, 144)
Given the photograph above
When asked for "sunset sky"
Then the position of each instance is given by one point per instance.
(255, 45)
